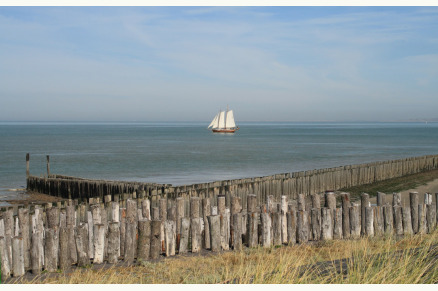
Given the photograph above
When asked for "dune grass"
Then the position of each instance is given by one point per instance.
(369, 260)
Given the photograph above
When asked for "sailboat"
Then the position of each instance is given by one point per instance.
(224, 122)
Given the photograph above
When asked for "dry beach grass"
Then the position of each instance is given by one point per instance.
(386, 260)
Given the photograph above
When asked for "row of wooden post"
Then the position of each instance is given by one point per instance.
(61, 235)
(289, 184)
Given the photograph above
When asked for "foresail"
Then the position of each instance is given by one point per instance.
(214, 123)
(230, 119)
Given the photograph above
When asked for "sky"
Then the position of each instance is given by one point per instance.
(187, 63)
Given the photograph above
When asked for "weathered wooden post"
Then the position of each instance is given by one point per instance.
(27, 167)
(5, 264)
(365, 200)
(131, 230)
(237, 238)
(316, 200)
(51, 250)
(427, 198)
(276, 229)
(422, 223)
(99, 243)
(379, 226)
(90, 234)
(146, 209)
(436, 204)
(35, 253)
(291, 227)
(195, 225)
(8, 219)
(345, 198)
(82, 244)
(70, 224)
(396, 199)
(122, 225)
(388, 219)
(179, 215)
(252, 229)
(64, 258)
(144, 240)
(163, 218)
(369, 221)
(206, 211)
(23, 216)
(355, 225)
(155, 213)
(301, 202)
(326, 223)
(337, 226)
(316, 223)
(115, 212)
(266, 229)
(48, 165)
(251, 203)
(17, 257)
(155, 239)
(381, 199)
(184, 235)
(330, 200)
(221, 207)
(114, 242)
(302, 226)
(235, 208)
(215, 232)
(406, 220)
(413, 198)
(430, 217)
(284, 219)
(53, 218)
(170, 234)
(398, 224)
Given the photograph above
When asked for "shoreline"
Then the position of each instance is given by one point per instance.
(31, 197)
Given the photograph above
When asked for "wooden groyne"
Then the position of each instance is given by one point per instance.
(62, 235)
(288, 184)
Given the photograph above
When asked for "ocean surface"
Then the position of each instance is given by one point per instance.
(186, 153)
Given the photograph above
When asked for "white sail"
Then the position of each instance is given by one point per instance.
(230, 119)
(221, 120)
(215, 122)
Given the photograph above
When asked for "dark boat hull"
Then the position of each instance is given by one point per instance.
(232, 130)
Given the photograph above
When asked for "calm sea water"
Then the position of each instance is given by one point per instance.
(184, 153)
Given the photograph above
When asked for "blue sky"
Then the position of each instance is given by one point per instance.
(185, 63)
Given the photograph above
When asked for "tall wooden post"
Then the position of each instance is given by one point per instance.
(413, 198)
(346, 214)
(364, 203)
(48, 165)
(27, 165)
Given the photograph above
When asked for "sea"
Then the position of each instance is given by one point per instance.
(181, 153)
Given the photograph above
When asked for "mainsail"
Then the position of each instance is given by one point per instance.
(222, 120)
(230, 119)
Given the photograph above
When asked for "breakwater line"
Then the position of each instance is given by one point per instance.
(129, 228)
(288, 184)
